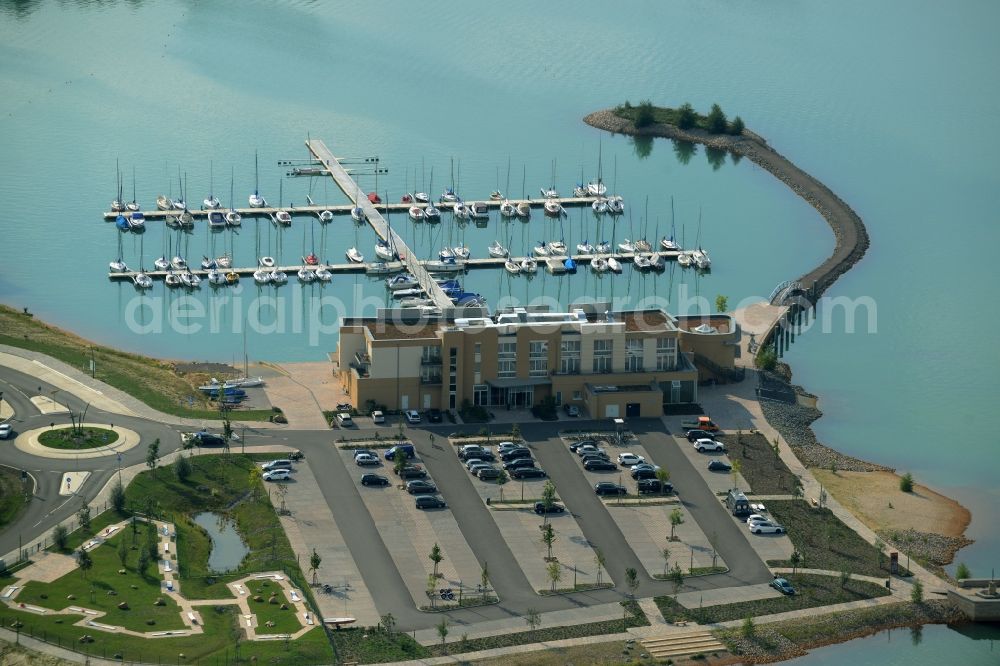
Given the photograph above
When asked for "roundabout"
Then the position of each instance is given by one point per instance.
(47, 443)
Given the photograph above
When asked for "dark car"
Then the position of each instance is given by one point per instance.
(783, 586)
(528, 473)
(518, 463)
(600, 466)
(555, 508)
(412, 472)
(207, 439)
(374, 480)
(583, 442)
(609, 488)
(719, 466)
(488, 473)
(694, 435)
(654, 486)
(418, 486)
(514, 454)
(595, 456)
(430, 502)
(433, 415)
(477, 452)
(644, 473)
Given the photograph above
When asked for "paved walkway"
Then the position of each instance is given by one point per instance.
(727, 595)
(296, 399)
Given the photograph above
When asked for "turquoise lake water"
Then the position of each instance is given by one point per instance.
(891, 104)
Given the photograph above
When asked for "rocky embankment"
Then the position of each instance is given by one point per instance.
(848, 229)
(936, 550)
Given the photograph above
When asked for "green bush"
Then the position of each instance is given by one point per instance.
(60, 537)
(736, 127)
(686, 117)
(767, 359)
(716, 122)
(962, 571)
(906, 483)
(644, 114)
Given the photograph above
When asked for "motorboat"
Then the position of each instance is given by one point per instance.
(179, 204)
(310, 259)
(164, 203)
(374, 198)
(460, 210)
(478, 210)
(278, 277)
(358, 214)
(553, 208)
(446, 252)
(172, 279)
(186, 219)
(122, 223)
(461, 252)
(261, 276)
(449, 195)
(641, 262)
(225, 261)
(416, 213)
(409, 292)
(406, 198)
(354, 256)
(446, 265)
(580, 191)
(421, 197)
(669, 244)
(137, 221)
(600, 206)
(216, 278)
(384, 250)
(401, 281)
(208, 264)
(117, 206)
(529, 265)
(178, 263)
(161, 264)
(557, 247)
(701, 259)
(656, 261)
(234, 219)
(512, 267)
(185, 279)
(306, 275)
(507, 209)
(432, 213)
(142, 281)
(118, 266)
(585, 248)
(496, 195)
(497, 250)
(642, 245)
(256, 201)
(232, 277)
(283, 217)
(524, 209)
(541, 250)
(211, 203)
(596, 188)
(549, 193)
(415, 302)
(604, 247)
(616, 205)
(450, 283)
(626, 246)
(684, 259)
(599, 265)
(216, 220)
(614, 265)
(323, 274)
(193, 280)
(266, 262)
(326, 216)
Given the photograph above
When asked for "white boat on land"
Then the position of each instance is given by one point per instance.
(512, 267)
(616, 205)
(701, 259)
(432, 213)
(262, 276)
(557, 248)
(585, 248)
(507, 209)
(600, 206)
(642, 245)
(216, 220)
(172, 279)
(161, 264)
(460, 210)
(326, 216)
(401, 281)
(164, 203)
(421, 197)
(323, 274)
(282, 217)
(669, 244)
(266, 262)
(684, 259)
(178, 263)
(599, 265)
(216, 278)
(416, 213)
(641, 262)
(142, 281)
(529, 265)
(384, 251)
(604, 247)
(596, 188)
(478, 210)
(461, 252)
(541, 250)
(626, 246)
(497, 250)
(234, 219)
(549, 193)
(278, 277)
(354, 256)
(614, 265)
(306, 275)
(118, 266)
(553, 208)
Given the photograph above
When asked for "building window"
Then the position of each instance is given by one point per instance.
(481, 394)
(633, 354)
(507, 359)
(666, 353)
(452, 369)
(431, 355)
(577, 395)
(603, 350)
(569, 357)
(538, 358)
(430, 375)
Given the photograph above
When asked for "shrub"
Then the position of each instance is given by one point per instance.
(644, 114)
(962, 571)
(767, 359)
(60, 536)
(906, 483)
(686, 117)
(749, 629)
(736, 127)
(917, 593)
(716, 120)
(118, 497)
(182, 469)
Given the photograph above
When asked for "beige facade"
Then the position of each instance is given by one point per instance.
(627, 363)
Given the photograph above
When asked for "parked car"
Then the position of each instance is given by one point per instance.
(474, 469)
(703, 445)
(600, 466)
(473, 451)
(296, 455)
(202, 438)
(5, 430)
(418, 486)
(646, 486)
(513, 454)
(719, 466)
(648, 466)
(627, 459)
(277, 475)
(471, 462)
(783, 586)
(555, 508)
(281, 463)
(374, 480)
(609, 488)
(528, 473)
(344, 420)
(378, 417)
(583, 442)
(765, 527)
(697, 434)
(588, 448)
(643, 473)
(485, 473)
(402, 449)
(600, 455)
(367, 460)
(507, 446)
(430, 502)
(571, 410)
(364, 452)
(412, 416)
(756, 518)
(434, 416)
(412, 472)
(518, 463)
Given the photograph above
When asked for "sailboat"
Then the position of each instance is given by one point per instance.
(507, 209)
(478, 210)
(553, 208)
(497, 250)
(255, 200)
(512, 267)
(118, 265)
(118, 204)
(384, 249)
(357, 212)
(416, 213)
(142, 281)
(597, 188)
(211, 202)
(180, 204)
(599, 265)
(281, 216)
(137, 221)
(355, 256)
(529, 265)
(233, 218)
(431, 212)
(585, 248)
(132, 205)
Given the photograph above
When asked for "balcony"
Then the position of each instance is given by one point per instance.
(431, 379)
(431, 360)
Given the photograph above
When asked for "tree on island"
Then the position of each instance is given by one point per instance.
(644, 114)
(686, 117)
(736, 127)
(716, 122)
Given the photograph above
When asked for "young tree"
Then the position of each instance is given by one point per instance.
(399, 461)
(484, 579)
(749, 628)
(906, 483)
(962, 571)
(153, 455)
(83, 515)
(736, 127)
(716, 121)
(515, 432)
(663, 476)
(548, 501)
(677, 578)
(314, 561)
(676, 518)
(917, 593)
(548, 538)
(737, 468)
(599, 563)
(432, 588)
(686, 117)
(795, 560)
(389, 623)
(436, 558)
(845, 578)
(502, 478)
(84, 561)
(721, 303)
(554, 570)
(533, 618)
(182, 468)
(153, 547)
(256, 479)
(122, 552)
(880, 547)
(442, 629)
(60, 537)
(644, 114)
(666, 559)
(632, 580)
(118, 497)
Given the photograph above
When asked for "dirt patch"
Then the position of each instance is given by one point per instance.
(15, 655)
(876, 499)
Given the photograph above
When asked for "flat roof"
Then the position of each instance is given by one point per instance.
(388, 330)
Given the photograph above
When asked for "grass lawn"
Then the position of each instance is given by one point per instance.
(150, 380)
(70, 438)
(766, 474)
(373, 646)
(284, 621)
(95, 591)
(11, 495)
(812, 591)
(824, 541)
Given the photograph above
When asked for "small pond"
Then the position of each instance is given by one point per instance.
(228, 548)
